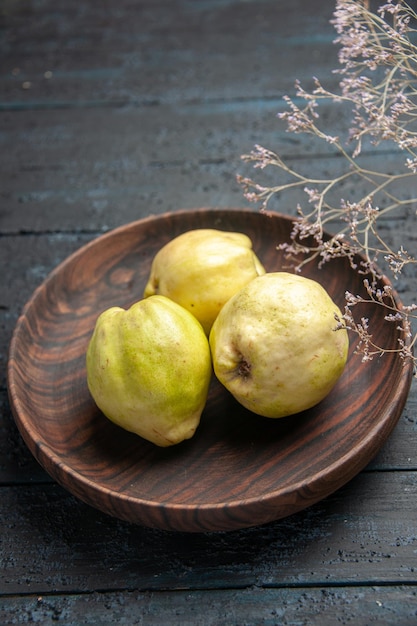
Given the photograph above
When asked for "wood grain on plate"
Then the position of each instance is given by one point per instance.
(239, 469)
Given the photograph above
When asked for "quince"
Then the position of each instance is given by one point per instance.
(149, 369)
(201, 269)
(275, 346)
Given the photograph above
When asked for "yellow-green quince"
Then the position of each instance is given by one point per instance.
(149, 369)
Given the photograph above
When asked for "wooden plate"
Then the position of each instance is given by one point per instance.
(239, 469)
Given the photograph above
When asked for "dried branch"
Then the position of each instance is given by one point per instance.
(378, 80)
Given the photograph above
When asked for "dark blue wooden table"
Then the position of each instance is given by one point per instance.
(109, 112)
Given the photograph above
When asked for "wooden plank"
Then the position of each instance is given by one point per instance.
(396, 454)
(354, 537)
(51, 205)
(60, 54)
(17, 465)
(362, 606)
(96, 169)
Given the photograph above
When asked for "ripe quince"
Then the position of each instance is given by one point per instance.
(275, 346)
(149, 369)
(201, 269)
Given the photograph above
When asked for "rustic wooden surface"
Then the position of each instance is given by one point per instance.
(111, 112)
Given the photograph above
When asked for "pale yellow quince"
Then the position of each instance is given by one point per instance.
(275, 346)
(201, 269)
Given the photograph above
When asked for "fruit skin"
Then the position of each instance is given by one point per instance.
(201, 269)
(149, 369)
(274, 345)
